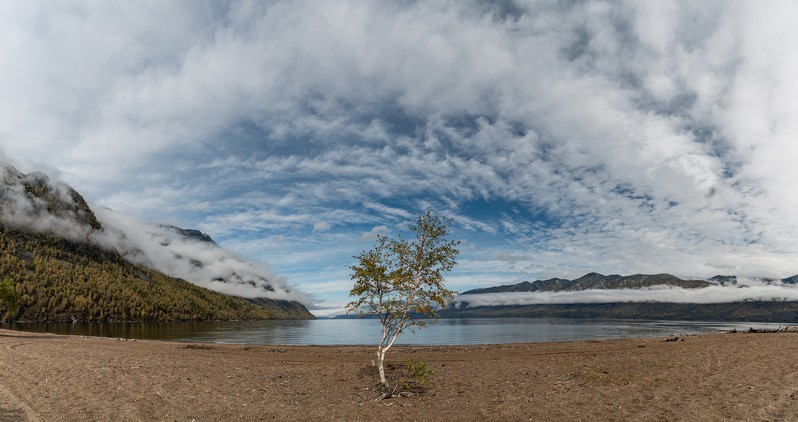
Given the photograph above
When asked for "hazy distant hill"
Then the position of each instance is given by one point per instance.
(731, 280)
(595, 281)
(59, 263)
(190, 234)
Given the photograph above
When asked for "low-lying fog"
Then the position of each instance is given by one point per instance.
(712, 294)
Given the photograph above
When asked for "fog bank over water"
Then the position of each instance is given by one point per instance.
(712, 294)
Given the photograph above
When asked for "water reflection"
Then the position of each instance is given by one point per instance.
(367, 332)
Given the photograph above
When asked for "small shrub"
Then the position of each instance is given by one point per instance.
(420, 370)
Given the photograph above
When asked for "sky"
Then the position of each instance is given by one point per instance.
(561, 137)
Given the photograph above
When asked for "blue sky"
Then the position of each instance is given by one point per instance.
(617, 137)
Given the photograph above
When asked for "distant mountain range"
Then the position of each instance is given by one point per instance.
(731, 280)
(471, 304)
(595, 281)
(60, 262)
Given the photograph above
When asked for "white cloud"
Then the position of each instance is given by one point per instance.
(712, 294)
(321, 227)
(628, 137)
(374, 232)
(199, 262)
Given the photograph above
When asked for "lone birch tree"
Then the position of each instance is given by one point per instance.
(401, 281)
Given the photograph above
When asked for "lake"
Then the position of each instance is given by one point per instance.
(367, 331)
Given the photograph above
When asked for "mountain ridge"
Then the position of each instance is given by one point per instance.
(614, 281)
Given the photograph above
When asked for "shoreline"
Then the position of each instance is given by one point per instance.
(252, 334)
(704, 377)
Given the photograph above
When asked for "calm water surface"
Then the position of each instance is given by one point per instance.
(367, 332)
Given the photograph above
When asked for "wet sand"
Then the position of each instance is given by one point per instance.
(738, 377)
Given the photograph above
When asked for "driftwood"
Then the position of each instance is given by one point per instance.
(781, 329)
(390, 395)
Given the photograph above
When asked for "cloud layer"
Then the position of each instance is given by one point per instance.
(712, 294)
(201, 262)
(616, 137)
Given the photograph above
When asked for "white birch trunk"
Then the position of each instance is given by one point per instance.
(381, 355)
(381, 366)
(382, 349)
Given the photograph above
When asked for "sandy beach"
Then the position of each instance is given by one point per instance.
(738, 377)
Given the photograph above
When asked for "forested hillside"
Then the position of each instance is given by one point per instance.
(59, 263)
(45, 278)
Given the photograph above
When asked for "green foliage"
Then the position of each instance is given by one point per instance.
(60, 280)
(420, 370)
(9, 300)
(400, 281)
